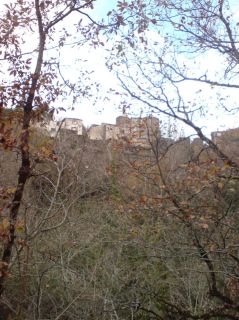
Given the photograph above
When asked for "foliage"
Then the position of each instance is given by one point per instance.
(96, 230)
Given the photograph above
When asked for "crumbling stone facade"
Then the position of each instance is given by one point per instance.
(51, 127)
(105, 131)
(228, 142)
(144, 132)
(137, 131)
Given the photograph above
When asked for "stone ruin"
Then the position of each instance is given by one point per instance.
(145, 131)
(137, 131)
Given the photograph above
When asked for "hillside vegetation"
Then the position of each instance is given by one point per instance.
(128, 227)
(107, 230)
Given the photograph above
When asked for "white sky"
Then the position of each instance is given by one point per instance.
(102, 110)
(107, 110)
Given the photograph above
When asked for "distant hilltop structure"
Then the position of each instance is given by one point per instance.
(142, 132)
(51, 127)
(228, 142)
(138, 131)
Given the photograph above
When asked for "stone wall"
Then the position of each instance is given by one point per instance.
(105, 131)
(96, 132)
(111, 131)
(144, 132)
(51, 127)
(228, 142)
(138, 131)
(72, 124)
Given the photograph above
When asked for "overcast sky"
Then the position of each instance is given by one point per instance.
(89, 110)
(104, 110)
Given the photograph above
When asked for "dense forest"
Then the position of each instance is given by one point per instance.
(109, 229)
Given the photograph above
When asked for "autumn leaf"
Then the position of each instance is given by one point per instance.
(20, 227)
(5, 224)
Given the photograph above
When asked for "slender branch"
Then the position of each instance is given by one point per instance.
(25, 168)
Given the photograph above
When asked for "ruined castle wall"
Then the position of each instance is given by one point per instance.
(104, 132)
(49, 127)
(174, 153)
(145, 132)
(138, 131)
(199, 152)
(96, 132)
(122, 121)
(75, 125)
(228, 142)
(111, 132)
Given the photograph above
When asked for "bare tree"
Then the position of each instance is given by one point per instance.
(32, 35)
(164, 54)
(166, 50)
